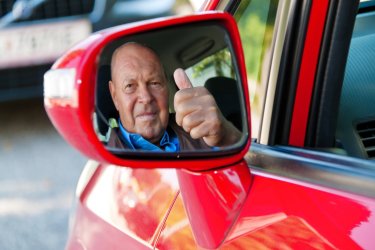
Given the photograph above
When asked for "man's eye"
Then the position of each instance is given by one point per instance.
(155, 84)
(129, 87)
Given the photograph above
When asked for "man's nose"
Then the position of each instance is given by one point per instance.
(144, 95)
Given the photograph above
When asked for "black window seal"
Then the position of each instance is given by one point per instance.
(330, 74)
(288, 73)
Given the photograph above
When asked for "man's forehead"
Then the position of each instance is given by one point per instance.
(138, 65)
(131, 71)
(133, 56)
(128, 70)
(134, 50)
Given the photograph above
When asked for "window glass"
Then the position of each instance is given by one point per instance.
(256, 20)
(217, 74)
(355, 132)
(208, 58)
(218, 64)
(183, 7)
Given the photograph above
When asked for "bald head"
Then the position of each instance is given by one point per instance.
(127, 52)
(139, 91)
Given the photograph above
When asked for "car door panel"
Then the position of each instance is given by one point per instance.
(90, 231)
(314, 204)
(278, 212)
(207, 207)
(134, 202)
(310, 200)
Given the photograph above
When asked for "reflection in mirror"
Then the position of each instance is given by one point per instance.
(171, 90)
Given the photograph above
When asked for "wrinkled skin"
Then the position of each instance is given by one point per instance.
(139, 91)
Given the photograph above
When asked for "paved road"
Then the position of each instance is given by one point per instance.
(38, 174)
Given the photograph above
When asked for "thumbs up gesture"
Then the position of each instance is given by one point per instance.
(198, 114)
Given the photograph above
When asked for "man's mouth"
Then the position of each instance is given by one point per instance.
(146, 116)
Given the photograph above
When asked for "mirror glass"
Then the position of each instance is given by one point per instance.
(170, 91)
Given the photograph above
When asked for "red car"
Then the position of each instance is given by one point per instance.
(297, 78)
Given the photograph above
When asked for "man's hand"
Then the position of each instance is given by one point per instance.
(198, 114)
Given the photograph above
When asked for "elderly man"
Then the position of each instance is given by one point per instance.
(139, 91)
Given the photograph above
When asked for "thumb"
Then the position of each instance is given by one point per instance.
(181, 79)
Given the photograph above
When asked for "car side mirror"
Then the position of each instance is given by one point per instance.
(89, 114)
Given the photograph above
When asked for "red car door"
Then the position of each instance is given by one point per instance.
(305, 190)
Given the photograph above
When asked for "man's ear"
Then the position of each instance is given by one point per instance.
(112, 90)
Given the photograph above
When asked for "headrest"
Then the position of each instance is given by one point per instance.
(105, 108)
(225, 92)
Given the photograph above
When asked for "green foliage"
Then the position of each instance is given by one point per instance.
(255, 37)
(220, 61)
(256, 19)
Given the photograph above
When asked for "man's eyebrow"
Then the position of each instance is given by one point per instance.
(127, 79)
(156, 75)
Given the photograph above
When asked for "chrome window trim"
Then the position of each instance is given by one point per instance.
(224, 4)
(313, 168)
(284, 11)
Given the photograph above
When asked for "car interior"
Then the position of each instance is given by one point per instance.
(181, 52)
(356, 119)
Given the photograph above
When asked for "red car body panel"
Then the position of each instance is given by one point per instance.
(276, 212)
(280, 213)
(306, 78)
(132, 202)
(209, 5)
(92, 232)
(137, 202)
(283, 214)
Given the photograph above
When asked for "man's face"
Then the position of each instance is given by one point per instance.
(139, 91)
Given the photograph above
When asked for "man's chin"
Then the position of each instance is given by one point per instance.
(151, 136)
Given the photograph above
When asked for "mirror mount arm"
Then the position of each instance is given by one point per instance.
(214, 198)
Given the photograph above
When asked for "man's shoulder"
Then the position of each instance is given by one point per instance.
(115, 140)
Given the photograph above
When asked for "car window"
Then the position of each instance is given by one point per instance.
(218, 64)
(256, 21)
(355, 132)
(217, 74)
(181, 7)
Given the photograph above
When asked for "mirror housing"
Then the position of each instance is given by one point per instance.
(70, 85)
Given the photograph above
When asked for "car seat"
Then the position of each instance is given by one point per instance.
(225, 91)
(105, 109)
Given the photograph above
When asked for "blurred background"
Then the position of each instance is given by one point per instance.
(38, 169)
